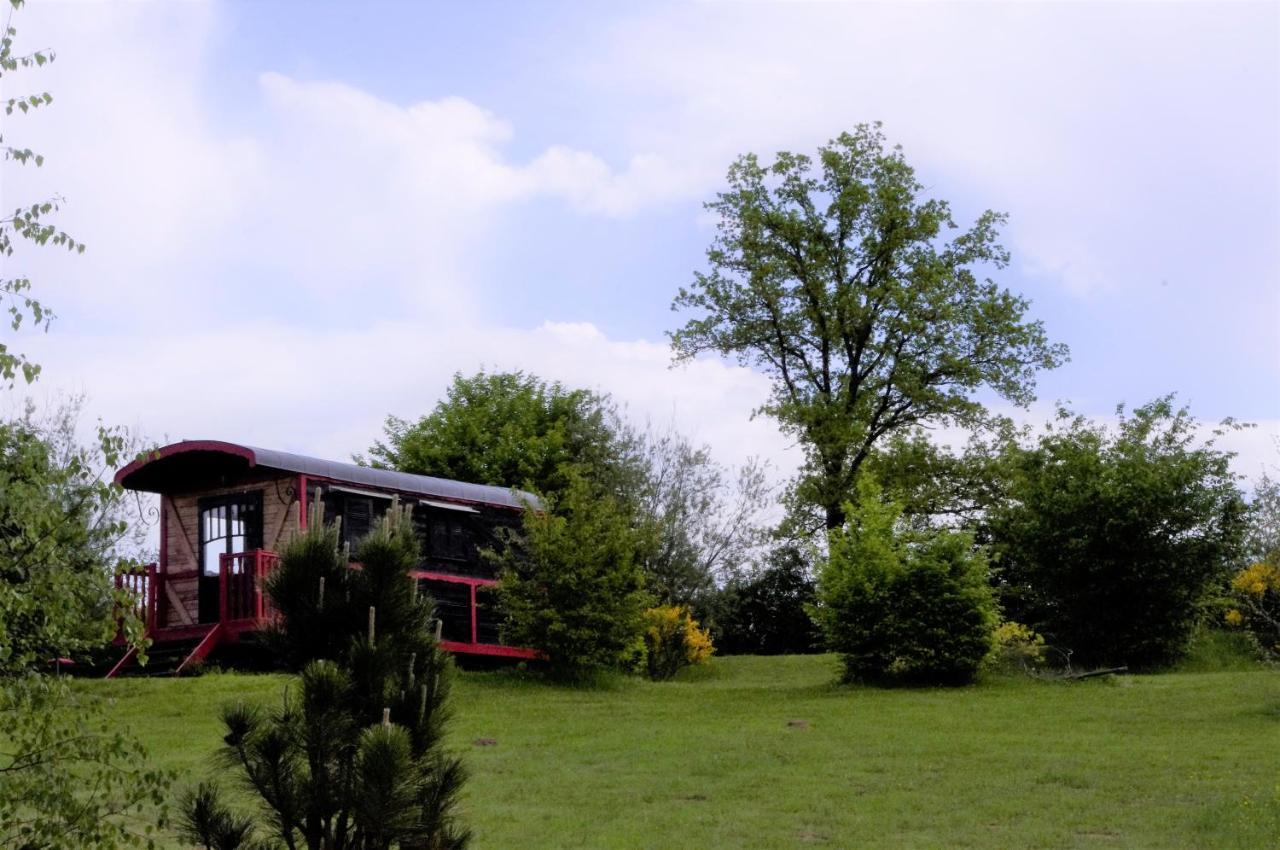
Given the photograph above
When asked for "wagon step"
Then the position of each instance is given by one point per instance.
(171, 657)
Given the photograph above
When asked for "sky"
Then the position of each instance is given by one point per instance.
(303, 217)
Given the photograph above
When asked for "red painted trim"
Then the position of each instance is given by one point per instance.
(202, 650)
(489, 649)
(473, 614)
(453, 578)
(223, 570)
(122, 663)
(162, 600)
(302, 503)
(182, 448)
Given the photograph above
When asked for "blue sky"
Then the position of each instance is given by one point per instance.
(276, 195)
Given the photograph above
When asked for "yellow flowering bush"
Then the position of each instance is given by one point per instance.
(1018, 646)
(1256, 594)
(673, 639)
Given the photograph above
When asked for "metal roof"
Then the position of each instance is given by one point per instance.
(134, 476)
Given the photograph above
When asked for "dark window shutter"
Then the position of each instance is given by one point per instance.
(358, 518)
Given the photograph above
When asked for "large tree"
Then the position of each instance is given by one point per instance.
(692, 519)
(513, 429)
(843, 282)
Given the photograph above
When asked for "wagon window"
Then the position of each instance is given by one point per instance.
(449, 537)
(358, 512)
(228, 524)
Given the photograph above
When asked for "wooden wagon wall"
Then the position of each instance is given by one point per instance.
(179, 601)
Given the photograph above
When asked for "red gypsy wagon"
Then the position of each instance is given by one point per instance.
(226, 509)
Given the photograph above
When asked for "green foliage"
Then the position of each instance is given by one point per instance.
(673, 640)
(693, 519)
(570, 584)
(59, 528)
(1262, 539)
(1018, 648)
(355, 760)
(1110, 542)
(939, 486)
(1215, 650)
(511, 429)
(834, 277)
(27, 223)
(767, 613)
(206, 821)
(902, 607)
(697, 522)
(69, 778)
(311, 588)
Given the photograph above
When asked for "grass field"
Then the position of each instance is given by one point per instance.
(768, 752)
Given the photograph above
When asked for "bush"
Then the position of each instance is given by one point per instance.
(767, 615)
(900, 607)
(1255, 592)
(569, 584)
(672, 640)
(1018, 648)
(1111, 542)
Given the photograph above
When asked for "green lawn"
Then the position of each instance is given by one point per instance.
(767, 752)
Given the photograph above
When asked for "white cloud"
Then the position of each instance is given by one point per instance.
(292, 278)
(1124, 139)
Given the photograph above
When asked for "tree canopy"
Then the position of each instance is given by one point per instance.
(837, 279)
(510, 429)
(691, 518)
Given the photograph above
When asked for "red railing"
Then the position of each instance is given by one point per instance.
(471, 644)
(141, 587)
(240, 577)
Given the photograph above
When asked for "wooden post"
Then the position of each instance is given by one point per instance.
(474, 625)
(153, 597)
(259, 574)
(222, 587)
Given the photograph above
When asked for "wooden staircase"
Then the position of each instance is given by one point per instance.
(171, 654)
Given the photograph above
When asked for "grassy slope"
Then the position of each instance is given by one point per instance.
(1176, 760)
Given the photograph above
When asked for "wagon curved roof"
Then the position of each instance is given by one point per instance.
(157, 471)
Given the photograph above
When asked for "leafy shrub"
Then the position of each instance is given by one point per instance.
(1018, 647)
(1255, 591)
(570, 585)
(767, 614)
(672, 640)
(903, 607)
(1111, 541)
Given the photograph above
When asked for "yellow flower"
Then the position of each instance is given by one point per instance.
(1257, 580)
(1234, 617)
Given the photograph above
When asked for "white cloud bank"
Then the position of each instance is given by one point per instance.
(290, 280)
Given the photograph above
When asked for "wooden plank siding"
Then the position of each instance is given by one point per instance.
(182, 538)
